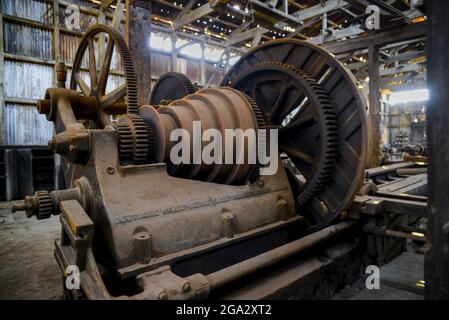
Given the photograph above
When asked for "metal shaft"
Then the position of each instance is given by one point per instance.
(244, 268)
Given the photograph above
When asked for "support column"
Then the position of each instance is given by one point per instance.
(56, 40)
(203, 79)
(437, 258)
(374, 104)
(138, 33)
(2, 91)
(174, 52)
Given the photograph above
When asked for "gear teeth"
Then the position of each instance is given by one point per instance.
(329, 136)
(255, 172)
(186, 86)
(126, 58)
(136, 140)
(45, 205)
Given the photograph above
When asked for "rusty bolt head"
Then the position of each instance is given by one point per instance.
(52, 143)
(162, 295)
(187, 287)
(72, 148)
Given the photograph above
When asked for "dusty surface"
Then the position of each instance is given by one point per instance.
(28, 269)
(400, 279)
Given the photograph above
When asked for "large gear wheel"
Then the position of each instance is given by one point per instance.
(99, 78)
(171, 86)
(295, 104)
(348, 106)
(136, 140)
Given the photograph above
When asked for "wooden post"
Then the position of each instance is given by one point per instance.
(174, 52)
(2, 91)
(56, 40)
(374, 104)
(203, 65)
(138, 33)
(437, 258)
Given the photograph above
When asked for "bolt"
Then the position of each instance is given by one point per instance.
(72, 140)
(187, 287)
(162, 295)
(282, 209)
(52, 143)
(446, 228)
(72, 147)
(110, 170)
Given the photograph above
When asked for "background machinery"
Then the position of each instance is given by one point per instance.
(139, 226)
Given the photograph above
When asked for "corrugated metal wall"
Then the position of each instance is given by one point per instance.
(29, 9)
(27, 80)
(160, 63)
(37, 44)
(25, 126)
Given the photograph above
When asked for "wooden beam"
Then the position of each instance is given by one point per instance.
(379, 39)
(2, 91)
(56, 36)
(437, 257)
(403, 56)
(374, 104)
(337, 34)
(318, 10)
(193, 15)
(242, 36)
(138, 33)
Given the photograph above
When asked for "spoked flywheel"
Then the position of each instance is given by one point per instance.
(135, 137)
(171, 86)
(294, 103)
(98, 78)
(334, 194)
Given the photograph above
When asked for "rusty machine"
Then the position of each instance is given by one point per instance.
(139, 226)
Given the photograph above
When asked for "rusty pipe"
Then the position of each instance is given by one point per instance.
(85, 109)
(411, 171)
(244, 268)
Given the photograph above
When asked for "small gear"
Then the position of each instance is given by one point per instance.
(171, 86)
(136, 140)
(45, 205)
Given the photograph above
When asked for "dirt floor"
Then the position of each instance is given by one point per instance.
(28, 269)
